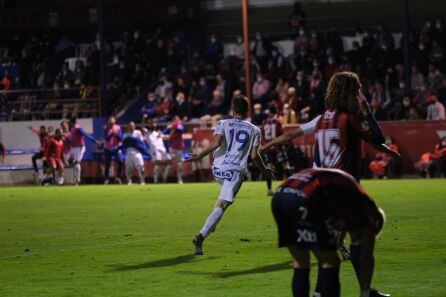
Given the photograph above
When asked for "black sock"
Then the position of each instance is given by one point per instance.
(355, 255)
(301, 282)
(328, 281)
(269, 182)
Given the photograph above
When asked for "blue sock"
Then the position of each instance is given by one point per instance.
(301, 282)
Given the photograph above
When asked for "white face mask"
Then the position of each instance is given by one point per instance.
(286, 111)
(406, 103)
(257, 112)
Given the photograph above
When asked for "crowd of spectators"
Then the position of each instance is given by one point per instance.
(197, 82)
(202, 87)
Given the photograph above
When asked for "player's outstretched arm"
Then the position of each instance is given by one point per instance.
(257, 159)
(302, 130)
(218, 139)
(385, 149)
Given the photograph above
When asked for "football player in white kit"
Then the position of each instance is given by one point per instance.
(158, 152)
(134, 159)
(234, 141)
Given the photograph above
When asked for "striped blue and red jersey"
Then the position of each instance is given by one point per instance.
(338, 138)
(337, 195)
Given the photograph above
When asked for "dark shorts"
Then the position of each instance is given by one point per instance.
(275, 156)
(301, 225)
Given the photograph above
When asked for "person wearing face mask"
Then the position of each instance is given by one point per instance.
(417, 78)
(213, 51)
(258, 115)
(288, 116)
(262, 51)
(180, 107)
(435, 110)
(150, 107)
(260, 89)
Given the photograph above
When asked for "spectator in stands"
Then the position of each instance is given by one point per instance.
(65, 74)
(435, 110)
(281, 89)
(150, 107)
(164, 87)
(297, 18)
(213, 51)
(79, 73)
(181, 107)
(288, 116)
(417, 78)
(215, 109)
(260, 89)
(442, 92)
(6, 81)
(378, 111)
(262, 51)
(302, 41)
(258, 115)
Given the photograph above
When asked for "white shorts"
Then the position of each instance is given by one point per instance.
(66, 156)
(77, 153)
(134, 161)
(230, 181)
(176, 155)
(160, 156)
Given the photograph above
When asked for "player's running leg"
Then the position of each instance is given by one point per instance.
(140, 168)
(209, 225)
(166, 171)
(156, 172)
(128, 169)
(229, 190)
(180, 172)
(300, 284)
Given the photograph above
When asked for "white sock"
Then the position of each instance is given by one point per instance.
(141, 175)
(166, 172)
(128, 173)
(77, 172)
(212, 221)
(156, 173)
(180, 171)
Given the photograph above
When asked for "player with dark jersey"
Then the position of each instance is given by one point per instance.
(310, 208)
(43, 139)
(276, 156)
(338, 134)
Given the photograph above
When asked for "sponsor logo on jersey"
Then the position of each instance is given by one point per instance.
(223, 174)
(306, 236)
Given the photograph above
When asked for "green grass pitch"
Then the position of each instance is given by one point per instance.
(136, 241)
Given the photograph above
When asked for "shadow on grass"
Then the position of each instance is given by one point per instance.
(262, 269)
(157, 263)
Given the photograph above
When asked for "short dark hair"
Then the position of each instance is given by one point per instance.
(241, 105)
(73, 120)
(273, 109)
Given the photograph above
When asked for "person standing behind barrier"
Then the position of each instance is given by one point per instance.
(113, 138)
(77, 139)
(176, 145)
(43, 138)
(2, 153)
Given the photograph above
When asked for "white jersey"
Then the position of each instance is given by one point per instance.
(134, 134)
(239, 137)
(155, 141)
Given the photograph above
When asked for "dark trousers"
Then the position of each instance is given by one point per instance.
(108, 155)
(34, 159)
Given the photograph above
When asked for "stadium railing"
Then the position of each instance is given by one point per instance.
(44, 104)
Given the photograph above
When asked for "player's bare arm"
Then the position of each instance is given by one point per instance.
(298, 132)
(386, 149)
(304, 129)
(218, 139)
(257, 159)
